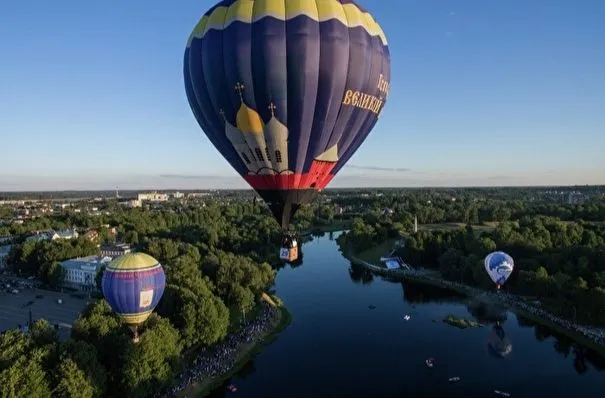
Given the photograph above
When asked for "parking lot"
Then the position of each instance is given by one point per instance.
(14, 308)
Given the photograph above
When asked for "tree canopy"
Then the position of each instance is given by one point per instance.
(559, 249)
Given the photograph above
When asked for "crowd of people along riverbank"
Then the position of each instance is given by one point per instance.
(214, 362)
(591, 333)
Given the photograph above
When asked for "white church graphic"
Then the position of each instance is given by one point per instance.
(262, 147)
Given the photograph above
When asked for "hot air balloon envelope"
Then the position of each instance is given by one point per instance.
(133, 285)
(287, 91)
(499, 266)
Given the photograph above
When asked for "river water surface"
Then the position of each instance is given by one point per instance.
(348, 338)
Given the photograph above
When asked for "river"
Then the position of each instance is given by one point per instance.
(339, 345)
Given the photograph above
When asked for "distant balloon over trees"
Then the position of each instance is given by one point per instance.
(499, 267)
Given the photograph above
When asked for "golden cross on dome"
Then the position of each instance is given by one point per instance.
(240, 90)
(272, 108)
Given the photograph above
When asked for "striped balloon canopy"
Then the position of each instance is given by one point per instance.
(133, 285)
(287, 90)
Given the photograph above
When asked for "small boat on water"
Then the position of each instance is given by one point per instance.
(406, 317)
(453, 379)
(504, 394)
(430, 362)
(232, 388)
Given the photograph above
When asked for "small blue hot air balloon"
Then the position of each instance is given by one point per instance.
(133, 285)
(499, 266)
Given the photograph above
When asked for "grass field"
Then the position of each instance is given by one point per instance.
(373, 255)
(486, 227)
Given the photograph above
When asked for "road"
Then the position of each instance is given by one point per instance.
(14, 308)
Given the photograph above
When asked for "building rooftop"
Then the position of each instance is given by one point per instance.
(115, 246)
(90, 262)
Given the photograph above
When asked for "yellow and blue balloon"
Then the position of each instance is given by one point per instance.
(133, 285)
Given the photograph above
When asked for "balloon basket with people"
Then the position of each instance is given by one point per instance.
(289, 248)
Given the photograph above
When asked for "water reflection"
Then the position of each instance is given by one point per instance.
(360, 274)
(584, 357)
(299, 261)
(565, 346)
(422, 293)
(248, 370)
(294, 264)
(290, 366)
(497, 342)
(318, 233)
(487, 312)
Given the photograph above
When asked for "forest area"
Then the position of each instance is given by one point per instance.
(220, 257)
(217, 264)
(559, 249)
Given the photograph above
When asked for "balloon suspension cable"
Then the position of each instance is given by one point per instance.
(287, 237)
(135, 334)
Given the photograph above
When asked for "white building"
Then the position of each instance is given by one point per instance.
(53, 235)
(42, 235)
(68, 234)
(115, 250)
(132, 203)
(81, 273)
(152, 197)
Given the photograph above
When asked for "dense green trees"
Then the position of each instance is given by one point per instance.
(215, 259)
(38, 365)
(41, 258)
(113, 365)
(560, 261)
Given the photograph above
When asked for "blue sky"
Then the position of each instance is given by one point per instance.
(483, 93)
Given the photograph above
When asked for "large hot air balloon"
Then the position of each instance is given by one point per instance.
(133, 285)
(499, 266)
(287, 91)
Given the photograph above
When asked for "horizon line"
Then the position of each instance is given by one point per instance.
(326, 189)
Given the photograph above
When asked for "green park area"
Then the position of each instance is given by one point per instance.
(559, 250)
(218, 260)
(460, 323)
(485, 227)
(220, 256)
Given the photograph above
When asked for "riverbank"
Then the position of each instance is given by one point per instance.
(592, 337)
(334, 226)
(213, 366)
